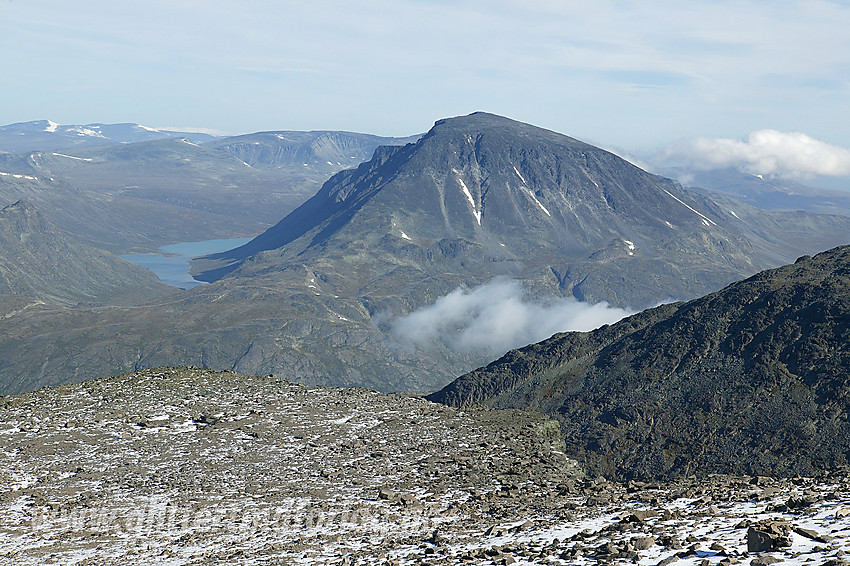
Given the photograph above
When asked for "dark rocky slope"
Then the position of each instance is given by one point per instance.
(751, 379)
(40, 263)
(187, 466)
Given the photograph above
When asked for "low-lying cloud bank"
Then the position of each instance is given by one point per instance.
(498, 316)
(764, 152)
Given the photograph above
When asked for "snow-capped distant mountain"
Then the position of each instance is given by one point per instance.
(45, 135)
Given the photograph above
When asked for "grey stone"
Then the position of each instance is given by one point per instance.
(768, 535)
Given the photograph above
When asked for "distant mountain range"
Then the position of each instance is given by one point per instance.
(45, 135)
(127, 188)
(314, 296)
(753, 379)
(766, 193)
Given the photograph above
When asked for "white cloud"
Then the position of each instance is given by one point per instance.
(498, 316)
(764, 152)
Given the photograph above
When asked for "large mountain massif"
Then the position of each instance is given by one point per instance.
(505, 198)
(477, 197)
(753, 379)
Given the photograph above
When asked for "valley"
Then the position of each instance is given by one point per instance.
(315, 296)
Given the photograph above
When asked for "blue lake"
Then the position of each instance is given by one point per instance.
(172, 265)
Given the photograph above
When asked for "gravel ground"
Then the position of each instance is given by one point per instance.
(189, 466)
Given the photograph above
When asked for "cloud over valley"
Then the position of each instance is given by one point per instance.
(496, 317)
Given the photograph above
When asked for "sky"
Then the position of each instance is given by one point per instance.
(636, 75)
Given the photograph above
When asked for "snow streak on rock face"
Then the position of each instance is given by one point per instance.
(187, 466)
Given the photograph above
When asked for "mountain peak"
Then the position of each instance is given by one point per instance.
(531, 203)
(487, 123)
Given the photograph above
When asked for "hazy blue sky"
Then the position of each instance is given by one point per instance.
(635, 75)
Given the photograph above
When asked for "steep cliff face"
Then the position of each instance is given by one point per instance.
(752, 379)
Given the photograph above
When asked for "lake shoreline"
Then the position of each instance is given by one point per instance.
(173, 263)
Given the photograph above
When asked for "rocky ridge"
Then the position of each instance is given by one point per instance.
(189, 466)
(752, 379)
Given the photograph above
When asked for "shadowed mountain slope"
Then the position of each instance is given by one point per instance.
(38, 262)
(753, 379)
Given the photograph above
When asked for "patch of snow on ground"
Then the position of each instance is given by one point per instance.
(72, 157)
(51, 126)
(528, 192)
(706, 220)
(405, 236)
(18, 176)
(475, 211)
(521, 178)
(87, 132)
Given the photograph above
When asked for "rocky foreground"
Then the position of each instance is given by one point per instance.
(189, 466)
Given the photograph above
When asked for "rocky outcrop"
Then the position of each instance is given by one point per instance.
(751, 379)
